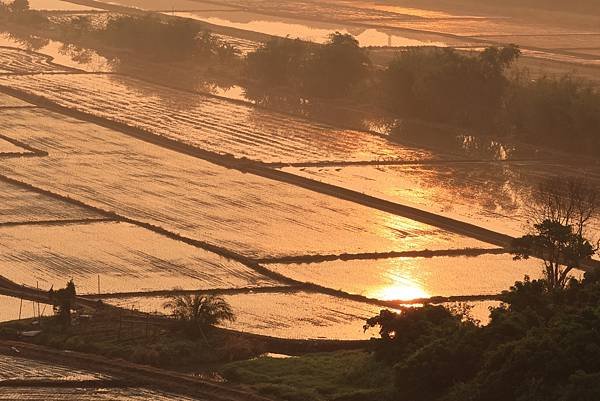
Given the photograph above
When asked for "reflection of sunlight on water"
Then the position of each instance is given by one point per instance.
(402, 291)
(368, 37)
(402, 285)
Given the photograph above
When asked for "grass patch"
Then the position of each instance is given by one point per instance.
(334, 376)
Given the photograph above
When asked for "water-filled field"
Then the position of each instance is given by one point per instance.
(287, 315)
(16, 368)
(407, 278)
(61, 53)
(315, 31)
(123, 257)
(58, 5)
(10, 308)
(21, 61)
(492, 195)
(248, 214)
(19, 205)
(170, 5)
(10, 148)
(210, 123)
(9, 101)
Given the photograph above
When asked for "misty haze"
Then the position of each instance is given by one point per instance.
(341, 200)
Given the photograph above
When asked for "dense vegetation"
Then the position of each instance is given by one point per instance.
(331, 70)
(446, 86)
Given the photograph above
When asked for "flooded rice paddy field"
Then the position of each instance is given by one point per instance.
(9, 101)
(19, 205)
(63, 54)
(248, 214)
(244, 46)
(210, 123)
(86, 394)
(58, 5)
(10, 308)
(317, 31)
(22, 61)
(118, 257)
(407, 278)
(170, 5)
(7, 147)
(243, 213)
(298, 315)
(569, 41)
(16, 368)
(491, 195)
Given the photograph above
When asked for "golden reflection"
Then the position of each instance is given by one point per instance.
(403, 283)
(401, 291)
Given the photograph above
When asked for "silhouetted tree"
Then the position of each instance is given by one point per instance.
(19, 6)
(561, 211)
(447, 86)
(337, 66)
(63, 301)
(198, 312)
(278, 62)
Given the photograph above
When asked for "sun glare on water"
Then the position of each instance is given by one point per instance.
(400, 291)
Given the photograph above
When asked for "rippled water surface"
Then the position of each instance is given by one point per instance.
(407, 278)
(210, 123)
(242, 212)
(114, 257)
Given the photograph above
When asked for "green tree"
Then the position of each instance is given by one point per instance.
(199, 312)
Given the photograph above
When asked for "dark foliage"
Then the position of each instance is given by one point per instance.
(63, 301)
(539, 345)
(447, 86)
(331, 70)
(562, 112)
(18, 12)
(163, 39)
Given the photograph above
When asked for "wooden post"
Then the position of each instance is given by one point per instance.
(20, 308)
(37, 285)
(120, 321)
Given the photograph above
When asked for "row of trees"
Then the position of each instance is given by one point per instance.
(478, 91)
